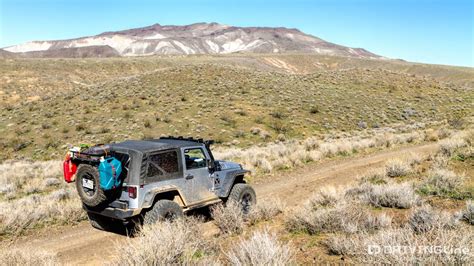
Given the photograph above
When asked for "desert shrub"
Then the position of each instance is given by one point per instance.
(343, 217)
(425, 219)
(18, 177)
(265, 210)
(61, 206)
(314, 109)
(464, 154)
(255, 130)
(401, 196)
(402, 246)
(442, 182)
(468, 213)
(228, 218)
(262, 248)
(80, 127)
(264, 135)
(447, 147)
(228, 121)
(165, 243)
(147, 124)
(414, 159)
(340, 244)
(311, 144)
(264, 165)
(443, 133)
(397, 168)
(279, 127)
(15, 257)
(435, 135)
(325, 197)
(277, 114)
(51, 181)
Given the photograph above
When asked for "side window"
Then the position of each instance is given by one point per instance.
(194, 158)
(161, 164)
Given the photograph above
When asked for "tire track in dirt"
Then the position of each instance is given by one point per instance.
(81, 244)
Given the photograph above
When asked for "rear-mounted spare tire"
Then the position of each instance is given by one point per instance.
(88, 186)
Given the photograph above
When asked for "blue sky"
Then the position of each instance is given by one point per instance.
(429, 31)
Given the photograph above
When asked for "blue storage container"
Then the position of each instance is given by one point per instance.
(109, 173)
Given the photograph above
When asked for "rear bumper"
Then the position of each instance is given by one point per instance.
(114, 213)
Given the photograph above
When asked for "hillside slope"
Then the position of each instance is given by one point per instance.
(234, 98)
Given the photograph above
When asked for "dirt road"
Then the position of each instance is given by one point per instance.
(82, 244)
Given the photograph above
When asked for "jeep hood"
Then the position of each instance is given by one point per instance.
(226, 165)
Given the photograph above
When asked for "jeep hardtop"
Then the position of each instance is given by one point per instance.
(160, 179)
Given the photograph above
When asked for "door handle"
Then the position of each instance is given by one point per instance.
(189, 176)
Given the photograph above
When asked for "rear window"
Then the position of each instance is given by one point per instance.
(163, 165)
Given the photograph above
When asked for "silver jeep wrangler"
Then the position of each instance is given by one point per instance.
(162, 179)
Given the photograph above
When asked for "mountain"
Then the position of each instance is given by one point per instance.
(199, 38)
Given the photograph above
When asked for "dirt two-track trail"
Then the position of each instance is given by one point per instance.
(81, 244)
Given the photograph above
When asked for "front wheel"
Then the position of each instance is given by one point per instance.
(243, 195)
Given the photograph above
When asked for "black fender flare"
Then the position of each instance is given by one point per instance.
(172, 194)
(228, 181)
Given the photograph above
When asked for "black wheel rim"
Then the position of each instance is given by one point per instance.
(169, 216)
(246, 202)
(89, 192)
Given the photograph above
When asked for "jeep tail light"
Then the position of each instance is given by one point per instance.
(132, 192)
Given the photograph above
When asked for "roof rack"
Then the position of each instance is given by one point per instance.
(200, 140)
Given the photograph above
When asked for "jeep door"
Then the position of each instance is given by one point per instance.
(195, 168)
(165, 170)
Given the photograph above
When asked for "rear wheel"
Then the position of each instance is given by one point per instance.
(163, 210)
(101, 222)
(88, 185)
(244, 195)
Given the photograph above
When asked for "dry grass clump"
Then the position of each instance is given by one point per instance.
(265, 210)
(425, 219)
(27, 177)
(402, 246)
(435, 135)
(397, 168)
(262, 248)
(447, 147)
(229, 218)
(325, 197)
(60, 206)
(390, 195)
(165, 243)
(443, 182)
(15, 257)
(348, 217)
(468, 213)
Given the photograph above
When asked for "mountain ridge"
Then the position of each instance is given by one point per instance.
(197, 38)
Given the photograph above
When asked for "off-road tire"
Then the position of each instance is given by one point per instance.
(163, 210)
(243, 195)
(100, 222)
(90, 198)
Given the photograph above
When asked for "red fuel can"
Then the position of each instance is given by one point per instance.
(69, 169)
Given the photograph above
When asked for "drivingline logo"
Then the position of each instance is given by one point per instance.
(400, 250)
